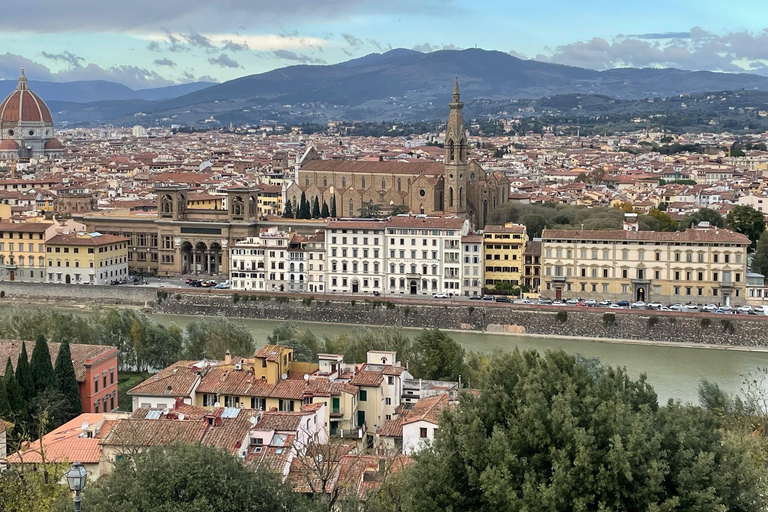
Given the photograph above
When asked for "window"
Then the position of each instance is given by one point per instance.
(232, 401)
(104, 379)
(95, 383)
(363, 395)
(209, 399)
(387, 401)
(422, 432)
(286, 405)
(390, 380)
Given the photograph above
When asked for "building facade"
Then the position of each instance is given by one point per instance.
(86, 258)
(355, 252)
(704, 264)
(23, 251)
(474, 265)
(504, 248)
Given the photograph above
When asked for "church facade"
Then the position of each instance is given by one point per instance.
(458, 186)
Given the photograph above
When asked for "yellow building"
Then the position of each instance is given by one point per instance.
(86, 258)
(204, 201)
(701, 265)
(504, 248)
(271, 200)
(22, 251)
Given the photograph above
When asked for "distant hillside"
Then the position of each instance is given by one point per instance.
(100, 90)
(408, 85)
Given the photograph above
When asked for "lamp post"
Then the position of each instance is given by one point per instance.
(76, 478)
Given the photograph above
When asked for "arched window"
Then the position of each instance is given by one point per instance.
(40, 262)
(383, 184)
(461, 196)
(343, 182)
(325, 181)
(450, 197)
(452, 152)
(351, 207)
(306, 181)
(362, 181)
(21, 261)
(399, 185)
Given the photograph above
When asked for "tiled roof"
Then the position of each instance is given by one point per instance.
(270, 352)
(79, 239)
(230, 434)
(367, 377)
(25, 227)
(228, 381)
(427, 409)
(288, 389)
(403, 221)
(133, 432)
(176, 380)
(504, 229)
(280, 420)
(80, 354)
(363, 167)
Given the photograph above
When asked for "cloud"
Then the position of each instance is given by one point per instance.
(429, 48)
(67, 57)
(517, 55)
(196, 39)
(661, 35)
(224, 61)
(289, 55)
(165, 62)
(235, 47)
(352, 40)
(699, 50)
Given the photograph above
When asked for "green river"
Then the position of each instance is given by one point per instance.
(674, 372)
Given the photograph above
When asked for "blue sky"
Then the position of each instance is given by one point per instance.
(147, 43)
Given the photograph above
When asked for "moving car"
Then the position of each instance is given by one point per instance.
(709, 307)
(623, 303)
(487, 297)
(605, 303)
(745, 309)
(654, 305)
(440, 296)
(638, 305)
(572, 302)
(223, 286)
(590, 302)
(502, 298)
(475, 297)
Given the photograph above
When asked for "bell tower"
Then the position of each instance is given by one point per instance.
(456, 158)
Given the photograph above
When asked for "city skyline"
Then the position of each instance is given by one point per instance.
(144, 44)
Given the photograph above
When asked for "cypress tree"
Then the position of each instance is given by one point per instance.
(302, 205)
(24, 375)
(333, 207)
(316, 208)
(324, 213)
(67, 382)
(13, 392)
(288, 211)
(5, 405)
(42, 369)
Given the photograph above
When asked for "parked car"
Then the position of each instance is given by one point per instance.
(616, 306)
(545, 302)
(745, 309)
(525, 301)
(675, 307)
(559, 303)
(502, 298)
(654, 305)
(590, 302)
(475, 297)
(638, 305)
(623, 303)
(572, 302)
(440, 296)
(223, 286)
(709, 307)
(487, 297)
(761, 310)
(605, 303)
(196, 284)
(727, 309)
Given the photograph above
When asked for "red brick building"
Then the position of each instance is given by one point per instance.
(95, 368)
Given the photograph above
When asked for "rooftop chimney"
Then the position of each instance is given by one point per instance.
(227, 357)
(630, 222)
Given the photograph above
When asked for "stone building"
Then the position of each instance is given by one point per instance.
(26, 126)
(458, 186)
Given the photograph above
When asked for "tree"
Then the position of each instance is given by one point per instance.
(399, 209)
(41, 367)
(16, 401)
(534, 224)
(703, 215)
(316, 208)
(5, 405)
(288, 210)
(304, 343)
(760, 258)
(324, 212)
(436, 356)
(626, 207)
(188, 478)
(551, 433)
(666, 222)
(24, 374)
(66, 380)
(369, 210)
(24, 488)
(746, 220)
(211, 337)
(333, 207)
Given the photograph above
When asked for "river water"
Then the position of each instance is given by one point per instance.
(674, 372)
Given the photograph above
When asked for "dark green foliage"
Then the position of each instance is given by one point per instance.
(66, 381)
(551, 434)
(760, 258)
(369, 210)
(24, 374)
(333, 207)
(41, 367)
(561, 316)
(746, 220)
(315, 208)
(324, 211)
(703, 215)
(705, 322)
(436, 356)
(652, 321)
(236, 298)
(188, 478)
(673, 319)
(211, 337)
(5, 405)
(288, 210)
(18, 404)
(609, 319)
(727, 326)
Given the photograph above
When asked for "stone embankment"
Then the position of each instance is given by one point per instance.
(665, 327)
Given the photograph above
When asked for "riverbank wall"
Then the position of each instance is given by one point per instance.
(666, 327)
(731, 330)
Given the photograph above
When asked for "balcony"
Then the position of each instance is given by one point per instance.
(352, 433)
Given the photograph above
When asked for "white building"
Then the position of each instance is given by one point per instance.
(355, 255)
(421, 423)
(472, 270)
(315, 251)
(424, 254)
(259, 263)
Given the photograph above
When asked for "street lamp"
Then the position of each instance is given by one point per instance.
(76, 477)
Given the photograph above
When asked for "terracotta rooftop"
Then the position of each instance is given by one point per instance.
(176, 380)
(693, 235)
(386, 167)
(81, 354)
(85, 239)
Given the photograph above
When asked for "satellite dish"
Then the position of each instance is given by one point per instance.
(181, 416)
(284, 376)
(166, 411)
(306, 376)
(252, 420)
(85, 425)
(217, 404)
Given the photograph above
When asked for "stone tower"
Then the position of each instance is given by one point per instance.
(456, 158)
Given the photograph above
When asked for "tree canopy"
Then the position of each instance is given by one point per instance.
(66, 381)
(211, 337)
(703, 215)
(549, 434)
(41, 366)
(746, 220)
(760, 258)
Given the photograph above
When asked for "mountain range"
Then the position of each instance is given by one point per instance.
(396, 85)
(87, 91)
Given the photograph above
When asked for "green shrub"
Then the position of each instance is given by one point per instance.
(282, 300)
(353, 302)
(705, 323)
(307, 301)
(609, 319)
(2, 294)
(407, 311)
(390, 305)
(673, 319)
(264, 297)
(653, 320)
(727, 326)
(470, 310)
(561, 316)
(236, 298)
(178, 297)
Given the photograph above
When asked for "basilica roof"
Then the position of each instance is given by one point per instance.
(22, 105)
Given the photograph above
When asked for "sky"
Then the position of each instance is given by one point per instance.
(154, 43)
